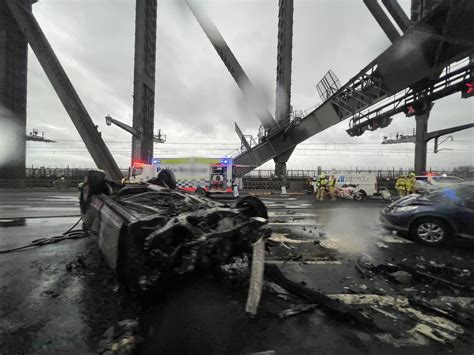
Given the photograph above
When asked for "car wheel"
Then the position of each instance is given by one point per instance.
(360, 195)
(429, 231)
(96, 182)
(166, 179)
(201, 192)
(252, 207)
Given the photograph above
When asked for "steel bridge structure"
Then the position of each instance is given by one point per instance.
(406, 74)
(430, 57)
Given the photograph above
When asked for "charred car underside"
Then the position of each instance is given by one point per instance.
(150, 234)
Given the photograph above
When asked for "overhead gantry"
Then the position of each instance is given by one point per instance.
(137, 134)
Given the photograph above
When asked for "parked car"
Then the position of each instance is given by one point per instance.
(433, 218)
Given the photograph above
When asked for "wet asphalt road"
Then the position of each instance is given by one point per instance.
(53, 303)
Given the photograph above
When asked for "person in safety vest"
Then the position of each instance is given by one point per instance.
(322, 185)
(332, 187)
(400, 185)
(411, 183)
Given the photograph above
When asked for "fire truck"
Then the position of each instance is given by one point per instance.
(193, 174)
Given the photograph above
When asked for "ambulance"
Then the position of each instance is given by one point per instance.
(193, 174)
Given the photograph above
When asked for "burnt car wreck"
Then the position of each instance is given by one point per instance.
(151, 234)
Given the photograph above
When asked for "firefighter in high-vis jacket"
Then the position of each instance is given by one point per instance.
(322, 185)
(411, 183)
(400, 185)
(332, 187)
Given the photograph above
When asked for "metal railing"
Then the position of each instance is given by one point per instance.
(43, 183)
(300, 174)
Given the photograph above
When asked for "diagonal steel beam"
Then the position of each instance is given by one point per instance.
(400, 17)
(382, 19)
(65, 90)
(234, 67)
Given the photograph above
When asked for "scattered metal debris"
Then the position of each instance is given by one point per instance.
(459, 316)
(122, 338)
(439, 280)
(78, 263)
(297, 309)
(310, 296)
(402, 277)
(434, 327)
(256, 277)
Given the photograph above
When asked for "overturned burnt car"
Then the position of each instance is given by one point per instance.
(150, 234)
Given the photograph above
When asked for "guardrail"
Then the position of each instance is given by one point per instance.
(300, 174)
(40, 183)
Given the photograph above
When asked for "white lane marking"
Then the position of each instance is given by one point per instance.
(379, 240)
(302, 206)
(394, 239)
(283, 214)
(295, 224)
(304, 262)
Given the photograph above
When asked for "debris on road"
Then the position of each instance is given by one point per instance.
(402, 277)
(77, 264)
(297, 309)
(122, 338)
(256, 277)
(310, 296)
(406, 321)
(381, 245)
(426, 275)
(456, 314)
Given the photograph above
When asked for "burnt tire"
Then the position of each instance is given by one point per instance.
(201, 192)
(94, 185)
(360, 195)
(96, 182)
(252, 207)
(166, 179)
(429, 231)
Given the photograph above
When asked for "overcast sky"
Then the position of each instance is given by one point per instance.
(197, 100)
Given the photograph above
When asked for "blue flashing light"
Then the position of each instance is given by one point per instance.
(156, 161)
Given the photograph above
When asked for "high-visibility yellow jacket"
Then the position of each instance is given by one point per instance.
(322, 183)
(401, 183)
(410, 184)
